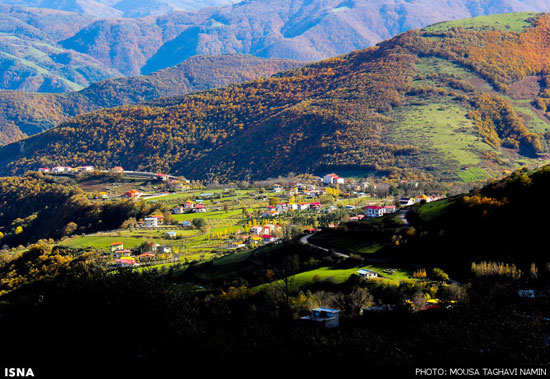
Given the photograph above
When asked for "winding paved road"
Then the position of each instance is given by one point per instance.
(305, 241)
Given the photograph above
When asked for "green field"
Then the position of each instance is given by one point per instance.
(130, 239)
(510, 22)
(473, 175)
(302, 279)
(435, 65)
(441, 126)
(222, 228)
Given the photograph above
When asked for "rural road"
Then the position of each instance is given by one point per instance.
(402, 215)
(305, 241)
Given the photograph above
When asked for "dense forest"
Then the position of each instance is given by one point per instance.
(35, 207)
(26, 113)
(353, 112)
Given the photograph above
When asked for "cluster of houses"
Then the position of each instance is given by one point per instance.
(189, 207)
(264, 233)
(277, 209)
(259, 235)
(173, 182)
(65, 169)
(124, 257)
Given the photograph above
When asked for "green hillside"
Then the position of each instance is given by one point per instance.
(24, 113)
(511, 22)
(423, 105)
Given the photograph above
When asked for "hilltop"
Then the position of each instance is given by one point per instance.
(24, 114)
(60, 46)
(121, 8)
(428, 104)
(295, 29)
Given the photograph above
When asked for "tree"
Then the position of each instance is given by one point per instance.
(439, 275)
(129, 224)
(70, 228)
(199, 223)
(352, 303)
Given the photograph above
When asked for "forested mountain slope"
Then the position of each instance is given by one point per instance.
(121, 8)
(295, 29)
(23, 113)
(59, 46)
(460, 100)
(31, 59)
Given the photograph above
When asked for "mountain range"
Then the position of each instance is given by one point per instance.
(25, 113)
(462, 100)
(120, 8)
(58, 46)
(32, 60)
(295, 29)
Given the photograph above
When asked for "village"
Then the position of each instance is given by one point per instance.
(199, 225)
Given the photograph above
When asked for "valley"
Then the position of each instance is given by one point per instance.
(375, 211)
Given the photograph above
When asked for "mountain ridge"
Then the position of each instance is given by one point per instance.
(48, 50)
(293, 29)
(24, 114)
(423, 105)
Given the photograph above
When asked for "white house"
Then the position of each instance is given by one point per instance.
(303, 206)
(151, 222)
(268, 228)
(86, 168)
(389, 209)
(60, 169)
(122, 253)
(374, 211)
(164, 249)
(405, 201)
(333, 179)
(368, 274)
(199, 208)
